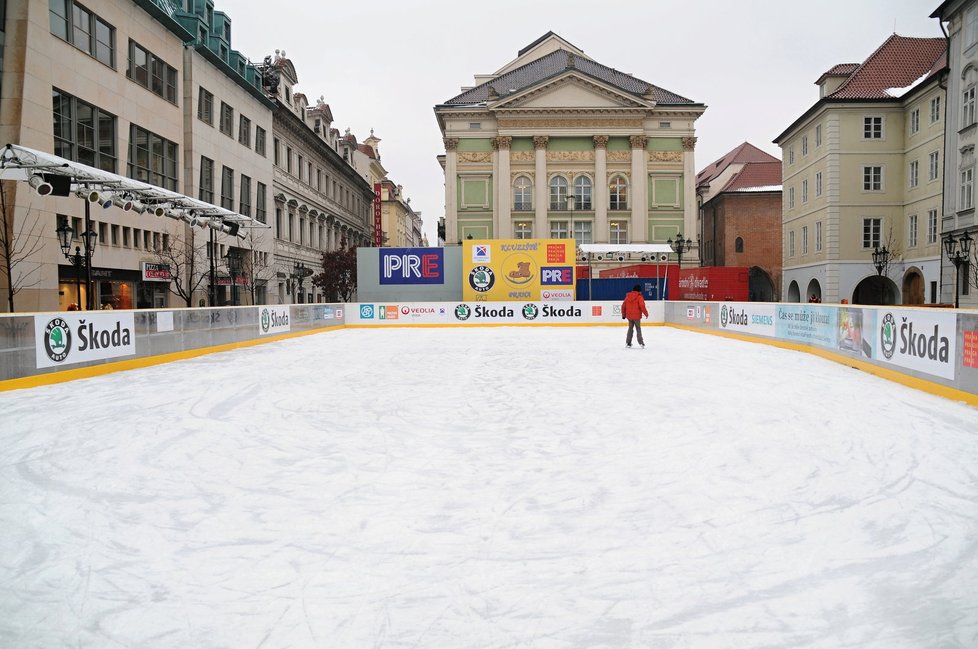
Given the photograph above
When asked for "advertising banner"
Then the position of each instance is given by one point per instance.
(378, 217)
(856, 331)
(412, 266)
(83, 336)
(156, 272)
(747, 317)
(807, 323)
(273, 320)
(502, 313)
(918, 339)
(534, 270)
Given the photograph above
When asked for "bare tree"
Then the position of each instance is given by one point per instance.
(186, 257)
(258, 268)
(18, 247)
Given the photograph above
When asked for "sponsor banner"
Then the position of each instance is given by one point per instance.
(807, 323)
(412, 266)
(69, 338)
(856, 332)
(378, 217)
(518, 270)
(511, 313)
(156, 272)
(746, 317)
(273, 320)
(917, 339)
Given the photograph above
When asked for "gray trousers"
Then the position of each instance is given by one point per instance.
(635, 325)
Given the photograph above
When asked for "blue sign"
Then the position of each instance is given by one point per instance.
(412, 266)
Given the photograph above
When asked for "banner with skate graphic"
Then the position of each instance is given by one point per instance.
(503, 270)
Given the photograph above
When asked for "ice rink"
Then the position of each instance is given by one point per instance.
(489, 487)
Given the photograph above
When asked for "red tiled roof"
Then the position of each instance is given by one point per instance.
(367, 150)
(897, 63)
(744, 153)
(755, 174)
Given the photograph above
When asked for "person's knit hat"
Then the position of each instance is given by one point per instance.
(637, 287)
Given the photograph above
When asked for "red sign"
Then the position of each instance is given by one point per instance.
(970, 349)
(378, 225)
(556, 253)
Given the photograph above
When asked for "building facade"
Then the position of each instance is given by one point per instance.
(862, 170)
(554, 124)
(959, 20)
(740, 217)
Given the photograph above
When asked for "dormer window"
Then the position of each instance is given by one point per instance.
(288, 95)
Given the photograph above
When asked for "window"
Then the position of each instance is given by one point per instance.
(227, 188)
(873, 179)
(524, 230)
(804, 145)
(818, 184)
(968, 107)
(804, 239)
(818, 136)
(260, 202)
(618, 232)
(914, 174)
(791, 243)
(582, 232)
(971, 26)
(617, 194)
(275, 149)
(244, 201)
(914, 121)
(522, 194)
(301, 167)
(558, 193)
(871, 232)
(206, 180)
(244, 131)
(912, 231)
(152, 159)
(260, 140)
(205, 106)
(804, 191)
(227, 120)
(932, 165)
(935, 109)
(278, 222)
(967, 189)
(791, 155)
(739, 244)
(872, 128)
(83, 133)
(818, 236)
(288, 159)
(558, 230)
(125, 237)
(931, 226)
(791, 197)
(152, 73)
(84, 30)
(582, 193)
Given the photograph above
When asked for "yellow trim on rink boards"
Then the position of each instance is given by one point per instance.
(147, 361)
(885, 373)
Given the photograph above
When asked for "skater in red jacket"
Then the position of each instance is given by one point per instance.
(632, 309)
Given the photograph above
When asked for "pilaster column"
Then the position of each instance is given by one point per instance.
(690, 207)
(541, 188)
(639, 231)
(600, 234)
(504, 201)
(451, 191)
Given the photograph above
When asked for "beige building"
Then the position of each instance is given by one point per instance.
(862, 170)
(553, 124)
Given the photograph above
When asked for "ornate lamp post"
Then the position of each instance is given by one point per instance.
(571, 199)
(234, 270)
(299, 274)
(958, 257)
(680, 246)
(64, 232)
(881, 257)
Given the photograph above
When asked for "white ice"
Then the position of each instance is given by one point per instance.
(491, 487)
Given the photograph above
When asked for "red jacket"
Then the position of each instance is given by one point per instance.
(633, 308)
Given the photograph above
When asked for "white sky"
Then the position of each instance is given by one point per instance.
(489, 487)
(385, 65)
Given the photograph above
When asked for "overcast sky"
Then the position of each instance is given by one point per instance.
(384, 65)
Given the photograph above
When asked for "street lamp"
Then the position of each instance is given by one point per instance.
(234, 270)
(680, 246)
(299, 274)
(881, 257)
(64, 232)
(957, 257)
(571, 199)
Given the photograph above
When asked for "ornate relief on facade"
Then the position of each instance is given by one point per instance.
(451, 143)
(513, 175)
(619, 156)
(689, 143)
(571, 122)
(522, 156)
(600, 141)
(638, 141)
(570, 156)
(665, 156)
(475, 156)
(540, 141)
(501, 142)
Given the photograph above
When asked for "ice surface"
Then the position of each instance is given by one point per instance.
(496, 487)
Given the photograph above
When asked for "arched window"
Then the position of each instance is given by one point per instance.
(739, 245)
(522, 194)
(558, 193)
(582, 193)
(618, 194)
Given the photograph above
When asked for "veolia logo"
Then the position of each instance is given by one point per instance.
(57, 340)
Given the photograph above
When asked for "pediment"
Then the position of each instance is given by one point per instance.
(569, 92)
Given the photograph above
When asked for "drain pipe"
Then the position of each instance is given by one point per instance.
(942, 84)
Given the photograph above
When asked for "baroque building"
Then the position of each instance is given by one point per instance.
(861, 170)
(556, 145)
